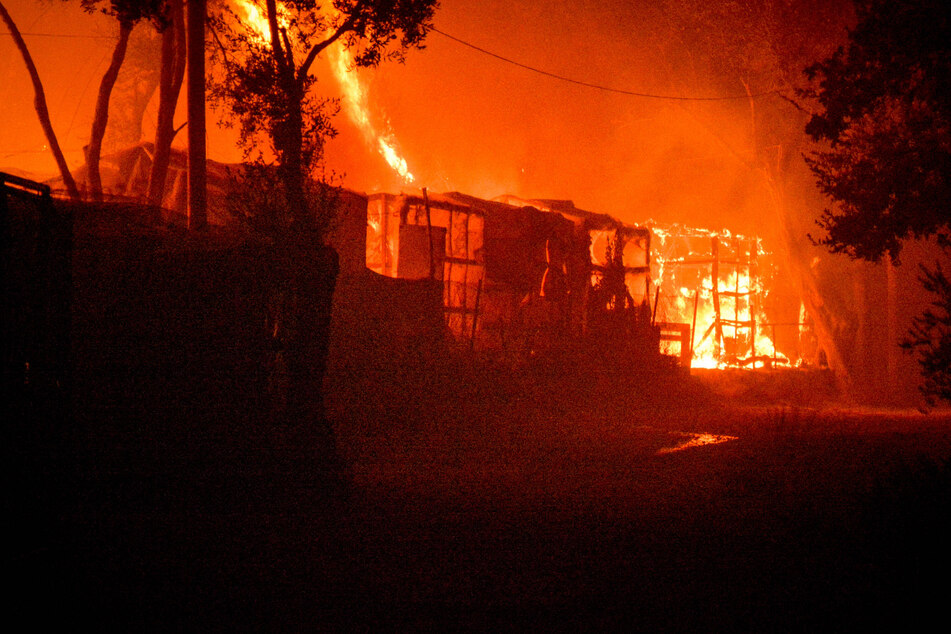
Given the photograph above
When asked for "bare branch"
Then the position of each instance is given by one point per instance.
(39, 103)
(317, 49)
(287, 48)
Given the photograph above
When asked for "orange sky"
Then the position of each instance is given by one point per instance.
(468, 122)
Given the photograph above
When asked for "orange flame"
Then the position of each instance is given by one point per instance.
(355, 96)
(257, 19)
(357, 106)
(680, 302)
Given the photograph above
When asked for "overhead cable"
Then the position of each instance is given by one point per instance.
(619, 91)
(68, 35)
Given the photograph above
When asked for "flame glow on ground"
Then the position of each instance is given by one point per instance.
(695, 440)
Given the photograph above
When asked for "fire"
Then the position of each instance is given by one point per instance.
(696, 440)
(739, 297)
(357, 106)
(257, 18)
(355, 96)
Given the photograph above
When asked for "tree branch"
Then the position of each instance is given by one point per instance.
(277, 49)
(221, 46)
(287, 48)
(101, 118)
(39, 103)
(317, 49)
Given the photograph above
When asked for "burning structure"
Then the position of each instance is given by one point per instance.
(519, 275)
(718, 283)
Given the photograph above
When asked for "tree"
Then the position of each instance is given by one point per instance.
(930, 335)
(127, 13)
(170, 85)
(42, 111)
(760, 48)
(267, 88)
(266, 51)
(885, 114)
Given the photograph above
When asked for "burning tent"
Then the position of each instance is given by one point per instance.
(507, 272)
(518, 275)
(604, 233)
(125, 176)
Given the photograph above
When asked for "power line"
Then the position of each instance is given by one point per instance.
(507, 60)
(599, 86)
(67, 35)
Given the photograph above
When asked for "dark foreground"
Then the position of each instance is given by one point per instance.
(487, 511)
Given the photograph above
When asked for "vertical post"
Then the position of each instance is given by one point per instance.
(774, 345)
(715, 276)
(656, 301)
(475, 314)
(197, 178)
(647, 259)
(891, 317)
(693, 324)
(736, 299)
(385, 256)
(753, 304)
(429, 233)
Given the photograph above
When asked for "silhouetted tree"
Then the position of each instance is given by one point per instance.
(268, 49)
(886, 117)
(127, 13)
(170, 85)
(930, 336)
(39, 102)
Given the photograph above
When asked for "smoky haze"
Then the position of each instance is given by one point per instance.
(467, 121)
(470, 122)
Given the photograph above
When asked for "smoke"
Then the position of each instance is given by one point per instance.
(465, 121)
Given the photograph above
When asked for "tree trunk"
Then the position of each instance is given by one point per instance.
(173, 72)
(309, 274)
(197, 176)
(293, 164)
(101, 118)
(39, 103)
(811, 297)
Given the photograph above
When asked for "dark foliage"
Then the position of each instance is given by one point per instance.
(129, 12)
(266, 87)
(886, 116)
(885, 111)
(930, 336)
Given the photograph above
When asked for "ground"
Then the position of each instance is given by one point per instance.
(503, 510)
(807, 520)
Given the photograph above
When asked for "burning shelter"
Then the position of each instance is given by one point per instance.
(734, 321)
(509, 274)
(518, 275)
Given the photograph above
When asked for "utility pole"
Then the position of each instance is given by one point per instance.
(197, 178)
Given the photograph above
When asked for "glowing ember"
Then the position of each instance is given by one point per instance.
(696, 440)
